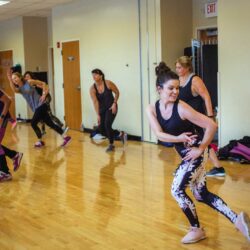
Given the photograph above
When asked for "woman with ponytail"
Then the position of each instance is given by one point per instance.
(194, 92)
(105, 105)
(172, 120)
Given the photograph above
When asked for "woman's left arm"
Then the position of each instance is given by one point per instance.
(201, 90)
(5, 99)
(41, 85)
(188, 113)
(114, 89)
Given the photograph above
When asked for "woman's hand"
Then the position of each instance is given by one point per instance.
(42, 98)
(113, 108)
(193, 154)
(98, 120)
(186, 137)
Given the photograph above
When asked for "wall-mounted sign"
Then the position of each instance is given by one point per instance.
(211, 9)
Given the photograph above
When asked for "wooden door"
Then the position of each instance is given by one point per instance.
(6, 61)
(72, 84)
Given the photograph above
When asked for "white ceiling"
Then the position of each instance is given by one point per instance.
(29, 8)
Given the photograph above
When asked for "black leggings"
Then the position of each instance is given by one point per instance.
(53, 118)
(3, 162)
(9, 152)
(42, 114)
(105, 127)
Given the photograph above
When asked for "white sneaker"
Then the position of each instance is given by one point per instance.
(98, 137)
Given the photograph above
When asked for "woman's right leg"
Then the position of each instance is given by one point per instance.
(47, 119)
(37, 117)
(4, 170)
(9, 152)
(15, 156)
(109, 119)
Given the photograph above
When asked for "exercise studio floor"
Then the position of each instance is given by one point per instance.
(80, 197)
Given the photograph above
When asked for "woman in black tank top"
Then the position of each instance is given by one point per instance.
(172, 121)
(105, 105)
(194, 92)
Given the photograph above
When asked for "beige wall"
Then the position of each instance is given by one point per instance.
(35, 31)
(11, 38)
(234, 54)
(199, 19)
(109, 39)
(176, 28)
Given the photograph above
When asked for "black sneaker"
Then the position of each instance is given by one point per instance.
(216, 172)
(110, 148)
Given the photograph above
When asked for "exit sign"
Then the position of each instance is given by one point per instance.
(211, 9)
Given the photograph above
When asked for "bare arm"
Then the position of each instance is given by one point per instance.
(200, 89)
(114, 89)
(94, 99)
(187, 112)
(12, 85)
(160, 134)
(41, 85)
(6, 101)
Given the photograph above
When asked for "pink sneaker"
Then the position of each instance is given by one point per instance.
(66, 141)
(17, 161)
(5, 176)
(243, 224)
(195, 234)
(39, 144)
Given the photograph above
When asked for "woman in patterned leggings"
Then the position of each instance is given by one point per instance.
(172, 121)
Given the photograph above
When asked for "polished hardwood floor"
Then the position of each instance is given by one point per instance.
(80, 197)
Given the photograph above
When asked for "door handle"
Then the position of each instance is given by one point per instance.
(78, 87)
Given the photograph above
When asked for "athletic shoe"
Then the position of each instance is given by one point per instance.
(243, 224)
(124, 137)
(39, 144)
(66, 141)
(110, 148)
(17, 161)
(214, 172)
(195, 234)
(65, 131)
(98, 137)
(13, 125)
(5, 176)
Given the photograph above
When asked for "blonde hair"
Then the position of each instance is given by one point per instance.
(185, 62)
(18, 75)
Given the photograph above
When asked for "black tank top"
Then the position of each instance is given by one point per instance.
(174, 125)
(105, 99)
(186, 95)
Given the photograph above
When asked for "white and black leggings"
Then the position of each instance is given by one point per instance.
(193, 174)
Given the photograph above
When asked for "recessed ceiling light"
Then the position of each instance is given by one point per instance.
(3, 2)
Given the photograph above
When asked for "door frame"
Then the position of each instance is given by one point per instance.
(61, 45)
(12, 50)
(51, 72)
(197, 29)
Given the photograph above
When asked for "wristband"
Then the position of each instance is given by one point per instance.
(210, 116)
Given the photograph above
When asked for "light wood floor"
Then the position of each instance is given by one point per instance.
(83, 198)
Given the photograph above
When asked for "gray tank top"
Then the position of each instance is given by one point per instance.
(31, 96)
